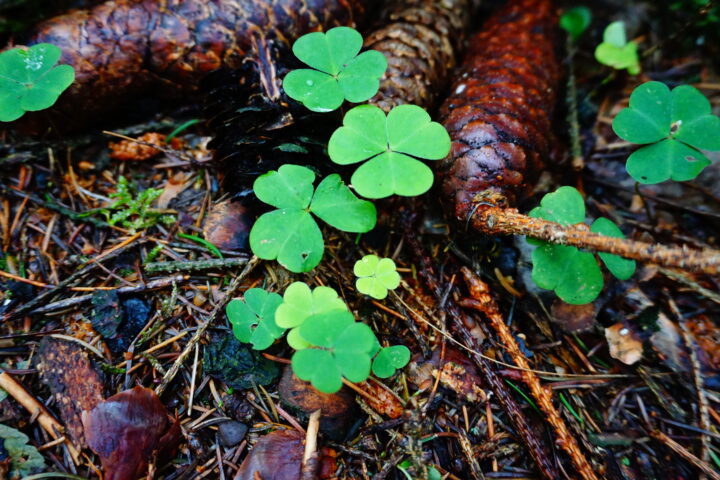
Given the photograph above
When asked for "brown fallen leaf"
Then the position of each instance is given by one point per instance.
(127, 150)
(573, 318)
(457, 373)
(127, 430)
(276, 456)
(624, 343)
(75, 385)
(173, 187)
(227, 225)
(338, 409)
(381, 399)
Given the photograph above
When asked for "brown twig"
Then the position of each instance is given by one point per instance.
(493, 220)
(310, 456)
(685, 453)
(234, 285)
(483, 302)
(44, 417)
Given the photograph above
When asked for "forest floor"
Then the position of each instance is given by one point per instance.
(107, 282)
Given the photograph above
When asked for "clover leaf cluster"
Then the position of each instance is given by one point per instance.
(376, 276)
(329, 343)
(615, 51)
(30, 80)
(574, 275)
(674, 125)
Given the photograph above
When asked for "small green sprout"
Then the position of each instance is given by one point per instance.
(376, 276)
(390, 145)
(253, 319)
(290, 234)
(575, 276)
(339, 72)
(575, 21)
(341, 348)
(390, 359)
(300, 303)
(30, 81)
(676, 125)
(615, 51)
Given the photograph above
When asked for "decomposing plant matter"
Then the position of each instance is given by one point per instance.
(120, 48)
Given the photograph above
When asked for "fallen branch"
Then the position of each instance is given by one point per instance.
(508, 221)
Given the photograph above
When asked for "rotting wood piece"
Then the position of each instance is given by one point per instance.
(421, 40)
(500, 107)
(122, 47)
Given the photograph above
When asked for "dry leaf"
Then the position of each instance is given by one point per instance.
(227, 225)
(276, 456)
(624, 343)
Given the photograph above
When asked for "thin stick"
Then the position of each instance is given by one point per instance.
(507, 221)
(311, 435)
(483, 302)
(234, 285)
(194, 266)
(685, 453)
(44, 417)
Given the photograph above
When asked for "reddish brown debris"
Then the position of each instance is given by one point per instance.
(500, 107)
(75, 384)
(142, 149)
(421, 40)
(276, 456)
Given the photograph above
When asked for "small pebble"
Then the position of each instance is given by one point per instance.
(231, 433)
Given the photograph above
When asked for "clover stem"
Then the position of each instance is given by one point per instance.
(646, 206)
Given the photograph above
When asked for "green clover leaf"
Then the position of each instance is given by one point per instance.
(622, 268)
(390, 359)
(300, 303)
(340, 347)
(290, 234)
(376, 276)
(677, 124)
(391, 144)
(253, 320)
(575, 21)
(340, 73)
(616, 52)
(30, 81)
(575, 276)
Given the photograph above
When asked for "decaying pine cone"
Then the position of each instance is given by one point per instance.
(421, 40)
(500, 110)
(124, 47)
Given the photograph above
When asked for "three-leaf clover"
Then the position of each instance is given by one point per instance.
(376, 276)
(341, 348)
(575, 21)
(677, 124)
(339, 72)
(290, 233)
(253, 320)
(575, 276)
(615, 51)
(30, 81)
(300, 303)
(390, 145)
(390, 359)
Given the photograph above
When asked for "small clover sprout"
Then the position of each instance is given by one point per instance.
(390, 145)
(253, 320)
(340, 348)
(575, 276)
(676, 124)
(376, 276)
(390, 359)
(30, 81)
(339, 72)
(575, 21)
(290, 234)
(615, 51)
(300, 303)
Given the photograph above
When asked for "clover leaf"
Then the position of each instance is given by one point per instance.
(341, 348)
(390, 144)
(339, 72)
(20, 458)
(615, 51)
(30, 81)
(290, 234)
(253, 320)
(300, 303)
(390, 359)
(376, 276)
(575, 21)
(677, 123)
(575, 276)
